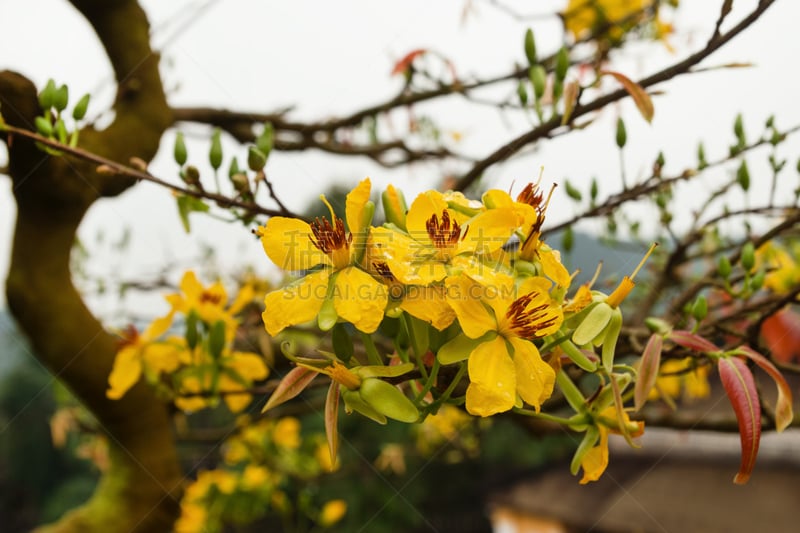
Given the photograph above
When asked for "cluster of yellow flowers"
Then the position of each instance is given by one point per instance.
(455, 283)
(611, 19)
(196, 368)
(261, 460)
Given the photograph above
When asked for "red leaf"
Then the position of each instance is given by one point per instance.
(648, 370)
(781, 332)
(332, 421)
(783, 406)
(692, 341)
(405, 62)
(639, 95)
(741, 389)
(290, 386)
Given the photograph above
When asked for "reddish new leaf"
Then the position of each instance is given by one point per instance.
(290, 386)
(405, 62)
(332, 421)
(639, 95)
(692, 341)
(741, 389)
(783, 406)
(648, 370)
(781, 332)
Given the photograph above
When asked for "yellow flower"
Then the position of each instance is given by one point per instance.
(210, 303)
(584, 16)
(294, 245)
(286, 433)
(497, 339)
(193, 518)
(675, 379)
(782, 265)
(332, 512)
(142, 353)
(436, 240)
(235, 373)
(322, 453)
(595, 461)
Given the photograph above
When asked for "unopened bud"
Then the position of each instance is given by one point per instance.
(79, 111)
(530, 47)
(748, 259)
(256, 159)
(179, 151)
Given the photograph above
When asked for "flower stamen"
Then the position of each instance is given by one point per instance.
(443, 234)
(526, 320)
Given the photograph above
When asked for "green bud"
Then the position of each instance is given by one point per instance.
(191, 329)
(215, 152)
(622, 135)
(572, 192)
(388, 400)
(738, 129)
(43, 126)
(700, 308)
(798, 166)
(79, 111)
(701, 157)
(657, 325)
(743, 176)
(216, 339)
(61, 131)
(256, 159)
(61, 98)
(179, 151)
(233, 168)
(265, 141)
(47, 95)
(757, 281)
(748, 258)
(660, 161)
(770, 121)
(562, 64)
(594, 189)
(530, 47)
(522, 93)
(538, 78)
(724, 267)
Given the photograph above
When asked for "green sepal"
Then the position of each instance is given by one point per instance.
(388, 400)
(589, 440)
(592, 324)
(459, 348)
(354, 402)
(374, 371)
(327, 316)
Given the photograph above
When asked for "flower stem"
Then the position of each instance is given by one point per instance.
(373, 356)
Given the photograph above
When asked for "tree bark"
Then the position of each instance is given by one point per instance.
(140, 490)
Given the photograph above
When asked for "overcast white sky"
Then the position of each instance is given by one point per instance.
(329, 58)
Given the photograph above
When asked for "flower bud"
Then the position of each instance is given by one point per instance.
(724, 267)
(265, 141)
(530, 47)
(61, 98)
(191, 176)
(43, 126)
(522, 93)
(215, 152)
(748, 259)
(394, 207)
(562, 64)
(179, 151)
(622, 135)
(700, 308)
(538, 78)
(743, 176)
(79, 111)
(47, 95)
(256, 159)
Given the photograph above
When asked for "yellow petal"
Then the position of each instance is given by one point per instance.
(287, 243)
(488, 231)
(354, 206)
(298, 303)
(245, 296)
(162, 357)
(158, 327)
(125, 373)
(489, 270)
(493, 383)
(189, 386)
(535, 378)
(595, 461)
(422, 209)
(248, 365)
(428, 304)
(464, 296)
(190, 286)
(411, 262)
(360, 299)
(552, 266)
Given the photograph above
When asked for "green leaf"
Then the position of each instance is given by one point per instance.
(188, 204)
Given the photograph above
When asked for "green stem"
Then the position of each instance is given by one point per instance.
(462, 369)
(373, 356)
(428, 382)
(544, 416)
(414, 346)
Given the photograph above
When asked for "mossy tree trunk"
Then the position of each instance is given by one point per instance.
(140, 490)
